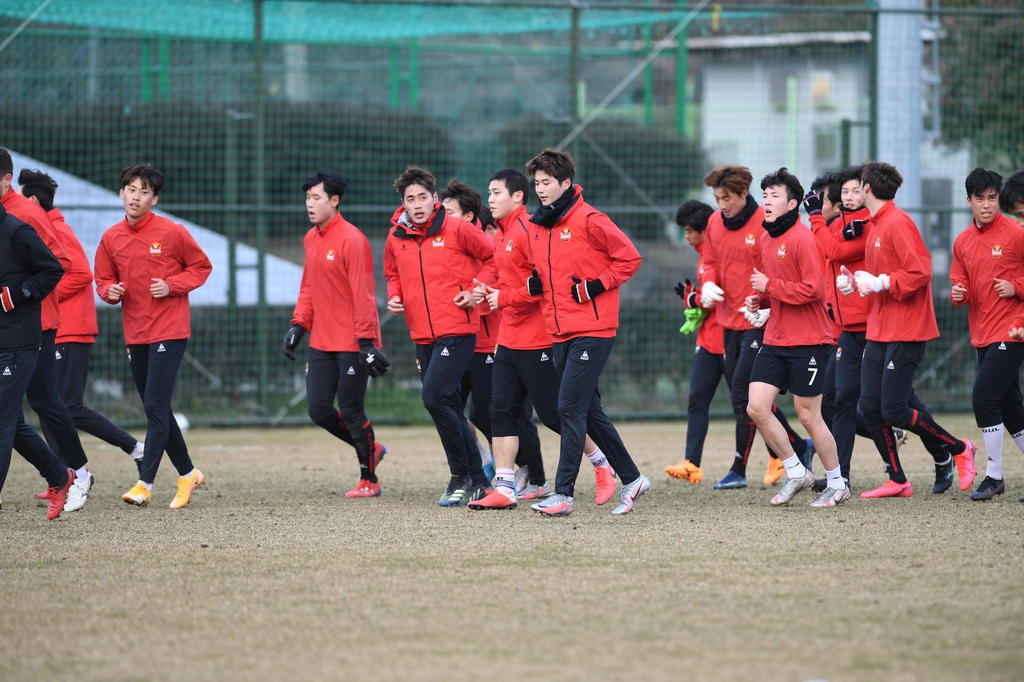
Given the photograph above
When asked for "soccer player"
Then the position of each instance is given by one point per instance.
(709, 358)
(1011, 197)
(42, 388)
(462, 201)
(149, 264)
(77, 331)
(28, 273)
(523, 368)
(797, 339)
(987, 272)
(901, 320)
(730, 253)
(838, 219)
(582, 259)
(338, 306)
(430, 259)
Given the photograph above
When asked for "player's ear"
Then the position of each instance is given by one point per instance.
(156, 199)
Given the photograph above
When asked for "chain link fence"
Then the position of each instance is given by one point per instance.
(236, 102)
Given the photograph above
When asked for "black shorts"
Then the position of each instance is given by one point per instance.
(799, 370)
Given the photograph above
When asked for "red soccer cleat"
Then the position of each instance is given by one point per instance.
(889, 489)
(965, 468)
(59, 495)
(364, 488)
(604, 481)
(494, 500)
(45, 495)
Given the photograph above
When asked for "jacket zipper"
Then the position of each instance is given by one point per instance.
(551, 278)
(465, 310)
(423, 279)
(487, 330)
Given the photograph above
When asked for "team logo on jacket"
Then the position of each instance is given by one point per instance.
(154, 249)
(782, 251)
(700, 269)
(438, 242)
(566, 234)
(750, 240)
(508, 246)
(997, 251)
(330, 255)
(878, 243)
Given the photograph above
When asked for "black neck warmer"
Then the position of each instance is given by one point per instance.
(783, 223)
(739, 221)
(548, 216)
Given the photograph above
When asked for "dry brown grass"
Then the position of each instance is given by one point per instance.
(272, 574)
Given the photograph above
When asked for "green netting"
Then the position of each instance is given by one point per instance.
(90, 87)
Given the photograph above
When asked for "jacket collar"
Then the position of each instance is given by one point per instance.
(332, 223)
(55, 214)
(405, 229)
(142, 224)
(559, 210)
(509, 221)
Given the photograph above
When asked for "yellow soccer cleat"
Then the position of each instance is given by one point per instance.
(186, 484)
(137, 495)
(776, 470)
(686, 471)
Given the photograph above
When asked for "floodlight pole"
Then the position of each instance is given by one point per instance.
(261, 201)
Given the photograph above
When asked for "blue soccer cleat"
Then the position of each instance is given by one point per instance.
(731, 481)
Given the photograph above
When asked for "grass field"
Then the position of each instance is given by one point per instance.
(271, 573)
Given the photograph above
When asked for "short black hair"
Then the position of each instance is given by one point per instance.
(1012, 192)
(981, 180)
(883, 178)
(334, 183)
(35, 183)
(515, 181)
(469, 199)
(558, 165)
(6, 163)
(695, 214)
(149, 176)
(851, 173)
(829, 184)
(486, 218)
(414, 175)
(783, 178)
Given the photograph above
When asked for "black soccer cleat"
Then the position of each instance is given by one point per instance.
(820, 484)
(943, 478)
(988, 489)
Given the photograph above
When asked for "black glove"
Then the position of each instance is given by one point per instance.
(813, 203)
(291, 340)
(687, 293)
(372, 360)
(853, 229)
(534, 284)
(11, 297)
(586, 291)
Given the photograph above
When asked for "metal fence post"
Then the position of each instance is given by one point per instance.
(261, 200)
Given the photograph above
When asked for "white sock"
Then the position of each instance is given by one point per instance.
(190, 474)
(993, 436)
(794, 469)
(597, 458)
(149, 486)
(81, 473)
(835, 479)
(505, 482)
(485, 452)
(139, 450)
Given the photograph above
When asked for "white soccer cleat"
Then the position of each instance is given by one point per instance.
(791, 487)
(522, 478)
(832, 498)
(629, 494)
(78, 494)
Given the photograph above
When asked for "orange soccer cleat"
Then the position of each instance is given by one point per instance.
(686, 471)
(776, 470)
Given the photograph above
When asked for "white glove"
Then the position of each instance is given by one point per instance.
(710, 294)
(757, 319)
(868, 284)
(845, 281)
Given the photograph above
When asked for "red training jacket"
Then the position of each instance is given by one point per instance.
(585, 244)
(710, 336)
(906, 312)
(795, 291)
(426, 267)
(135, 254)
(850, 312)
(730, 257)
(522, 325)
(74, 293)
(31, 213)
(980, 255)
(337, 303)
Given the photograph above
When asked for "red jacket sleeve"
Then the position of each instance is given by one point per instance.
(79, 277)
(106, 274)
(358, 261)
(475, 242)
(957, 274)
(807, 289)
(604, 235)
(518, 297)
(915, 270)
(303, 314)
(391, 271)
(710, 264)
(197, 266)
(835, 247)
